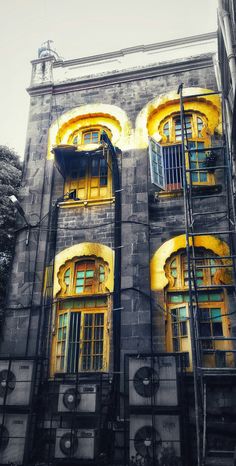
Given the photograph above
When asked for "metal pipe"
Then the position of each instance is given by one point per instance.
(224, 19)
(204, 424)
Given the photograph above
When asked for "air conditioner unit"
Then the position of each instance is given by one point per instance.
(15, 382)
(80, 444)
(154, 437)
(12, 444)
(80, 398)
(153, 382)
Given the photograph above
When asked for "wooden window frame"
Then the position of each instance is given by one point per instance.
(209, 356)
(180, 287)
(90, 187)
(59, 367)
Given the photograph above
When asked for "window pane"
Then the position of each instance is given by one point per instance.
(182, 313)
(89, 273)
(217, 329)
(82, 168)
(205, 329)
(216, 314)
(176, 346)
(79, 281)
(79, 289)
(95, 167)
(183, 327)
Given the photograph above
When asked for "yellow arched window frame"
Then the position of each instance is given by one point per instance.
(89, 175)
(196, 130)
(81, 334)
(212, 309)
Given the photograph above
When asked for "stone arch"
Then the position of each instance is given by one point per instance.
(158, 261)
(160, 107)
(110, 116)
(80, 250)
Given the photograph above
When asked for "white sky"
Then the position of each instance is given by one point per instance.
(80, 28)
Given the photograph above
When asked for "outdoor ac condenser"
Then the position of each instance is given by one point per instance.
(13, 435)
(15, 382)
(80, 398)
(80, 444)
(153, 382)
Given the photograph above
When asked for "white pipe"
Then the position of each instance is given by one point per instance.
(226, 31)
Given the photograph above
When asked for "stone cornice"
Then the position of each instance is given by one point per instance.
(91, 82)
(136, 49)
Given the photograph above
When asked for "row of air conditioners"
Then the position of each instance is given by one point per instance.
(152, 381)
(150, 437)
(16, 383)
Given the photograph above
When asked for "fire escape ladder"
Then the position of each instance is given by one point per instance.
(208, 215)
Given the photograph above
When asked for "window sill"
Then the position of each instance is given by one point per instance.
(86, 202)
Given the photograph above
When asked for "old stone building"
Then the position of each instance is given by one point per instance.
(118, 340)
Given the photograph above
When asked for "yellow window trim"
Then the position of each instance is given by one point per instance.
(69, 291)
(80, 251)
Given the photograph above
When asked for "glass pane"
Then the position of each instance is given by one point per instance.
(95, 135)
(182, 313)
(79, 289)
(203, 297)
(103, 167)
(175, 330)
(205, 314)
(216, 314)
(80, 281)
(95, 167)
(82, 168)
(183, 328)
(176, 346)
(215, 297)
(217, 329)
(205, 330)
(89, 273)
(175, 298)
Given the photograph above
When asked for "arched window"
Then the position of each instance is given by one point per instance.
(88, 135)
(211, 308)
(81, 340)
(197, 137)
(89, 173)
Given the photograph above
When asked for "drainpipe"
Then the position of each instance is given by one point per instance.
(224, 19)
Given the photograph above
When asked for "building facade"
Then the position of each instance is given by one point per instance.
(118, 340)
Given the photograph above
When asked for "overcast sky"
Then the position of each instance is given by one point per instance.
(79, 28)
